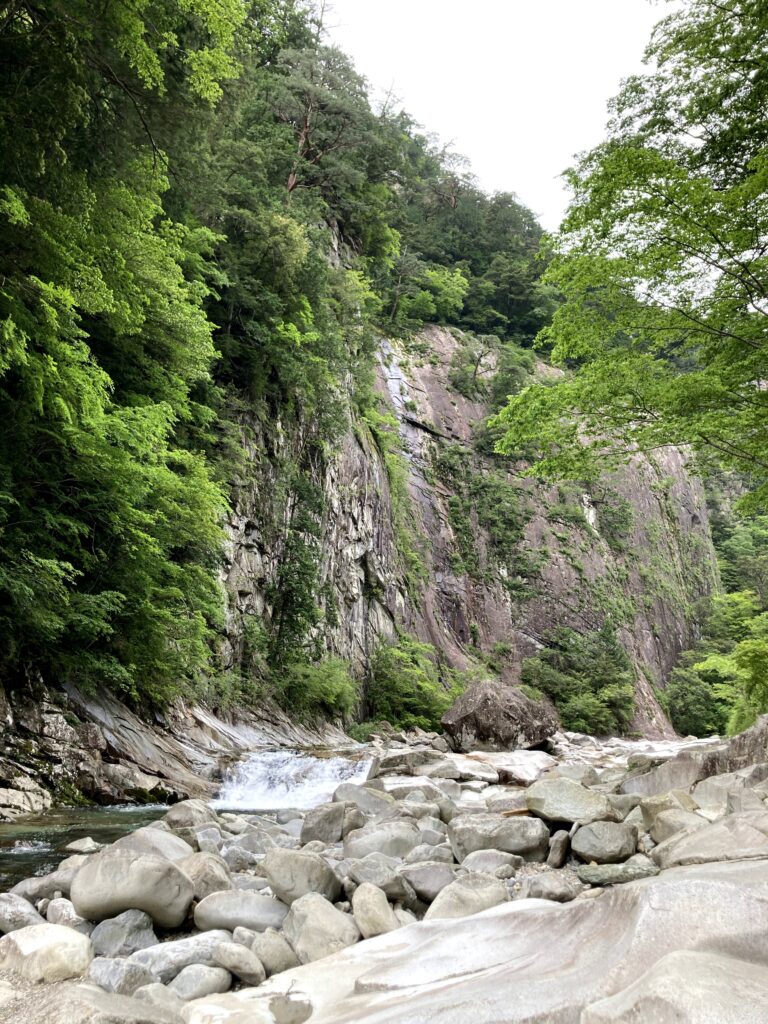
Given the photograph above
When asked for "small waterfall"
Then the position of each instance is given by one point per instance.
(286, 778)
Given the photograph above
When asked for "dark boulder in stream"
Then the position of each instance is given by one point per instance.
(488, 716)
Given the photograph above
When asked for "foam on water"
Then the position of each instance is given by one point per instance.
(23, 846)
(274, 779)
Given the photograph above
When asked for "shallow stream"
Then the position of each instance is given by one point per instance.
(263, 781)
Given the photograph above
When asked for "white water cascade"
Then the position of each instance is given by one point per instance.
(273, 779)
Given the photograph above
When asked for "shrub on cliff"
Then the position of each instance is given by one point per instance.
(588, 677)
(406, 688)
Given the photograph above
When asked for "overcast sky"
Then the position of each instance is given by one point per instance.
(519, 86)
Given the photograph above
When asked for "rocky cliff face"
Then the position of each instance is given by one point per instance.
(459, 548)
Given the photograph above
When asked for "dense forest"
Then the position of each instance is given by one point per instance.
(205, 213)
(202, 214)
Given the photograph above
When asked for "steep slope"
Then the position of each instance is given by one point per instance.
(469, 555)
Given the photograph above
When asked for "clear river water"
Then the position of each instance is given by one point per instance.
(263, 781)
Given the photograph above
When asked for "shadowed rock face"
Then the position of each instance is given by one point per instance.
(492, 717)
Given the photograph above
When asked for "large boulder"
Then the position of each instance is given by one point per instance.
(124, 934)
(737, 837)
(528, 837)
(428, 878)
(631, 870)
(492, 716)
(188, 813)
(315, 928)
(294, 873)
(168, 958)
(324, 822)
(116, 880)
(119, 974)
(46, 952)
(568, 801)
(154, 841)
(372, 912)
(208, 873)
(239, 909)
(605, 842)
(468, 894)
(16, 912)
(392, 838)
(274, 952)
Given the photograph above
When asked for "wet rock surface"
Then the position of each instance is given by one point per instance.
(579, 901)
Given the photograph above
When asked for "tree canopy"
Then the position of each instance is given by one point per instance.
(662, 263)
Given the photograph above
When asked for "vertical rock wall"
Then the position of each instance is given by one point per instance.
(469, 594)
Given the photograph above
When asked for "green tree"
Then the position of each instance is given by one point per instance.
(661, 262)
(589, 678)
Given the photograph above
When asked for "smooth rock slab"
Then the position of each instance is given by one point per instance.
(689, 987)
(668, 823)
(537, 962)
(528, 837)
(46, 952)
(250, 1006)
(239, 908)
(188, 813)
(73, 1003)
(315, 928)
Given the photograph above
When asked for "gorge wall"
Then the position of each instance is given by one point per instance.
(457, 547)
(416, 527)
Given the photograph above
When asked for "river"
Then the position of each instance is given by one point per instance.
(263, 781)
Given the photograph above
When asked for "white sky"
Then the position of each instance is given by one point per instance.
(518, 86)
